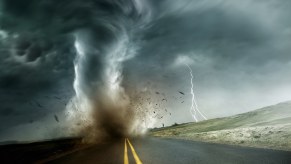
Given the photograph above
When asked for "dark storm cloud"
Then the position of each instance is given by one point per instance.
(38, 44)
(240, 52)
(38, 51)
(36, 60)
(231, 34)
(222, 31)
(8, 112)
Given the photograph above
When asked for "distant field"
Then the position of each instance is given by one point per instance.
(268, 127)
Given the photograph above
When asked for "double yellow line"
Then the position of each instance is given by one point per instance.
(136, 158)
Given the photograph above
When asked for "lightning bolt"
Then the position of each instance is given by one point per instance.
(194, 107)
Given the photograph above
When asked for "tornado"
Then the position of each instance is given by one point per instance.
(101, 107)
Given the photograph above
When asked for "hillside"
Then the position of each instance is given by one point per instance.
(268, 127)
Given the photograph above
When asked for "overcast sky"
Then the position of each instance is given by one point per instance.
(239, 52)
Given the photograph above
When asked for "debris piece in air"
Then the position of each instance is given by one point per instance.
(57, 97)
(157, 93)
(182, 93)
(38, 104)
(182, 102)
(164, 99)
(56, 118)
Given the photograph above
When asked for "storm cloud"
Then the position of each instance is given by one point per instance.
(240, 53)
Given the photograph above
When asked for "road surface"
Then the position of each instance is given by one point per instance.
(168, 151)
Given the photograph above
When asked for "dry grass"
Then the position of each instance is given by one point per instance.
(269, 127)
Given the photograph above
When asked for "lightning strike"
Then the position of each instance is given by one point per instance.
(194, 107)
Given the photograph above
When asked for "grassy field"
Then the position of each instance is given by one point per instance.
(268, 127)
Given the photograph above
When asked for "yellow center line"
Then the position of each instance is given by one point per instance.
(125, 153)
(137, 160)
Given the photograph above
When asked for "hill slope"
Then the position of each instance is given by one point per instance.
(268, 127)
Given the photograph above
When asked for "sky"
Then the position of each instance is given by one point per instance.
(95, 53)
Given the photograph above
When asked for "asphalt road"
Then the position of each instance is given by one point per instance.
(168, 151)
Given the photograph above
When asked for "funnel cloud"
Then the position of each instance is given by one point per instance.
(102, 69)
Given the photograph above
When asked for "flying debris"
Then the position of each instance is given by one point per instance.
(164, 100)
(57, 97)
(182, 102)
(157, 93)
(182, 93)
(56, 118)
(38, 104)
